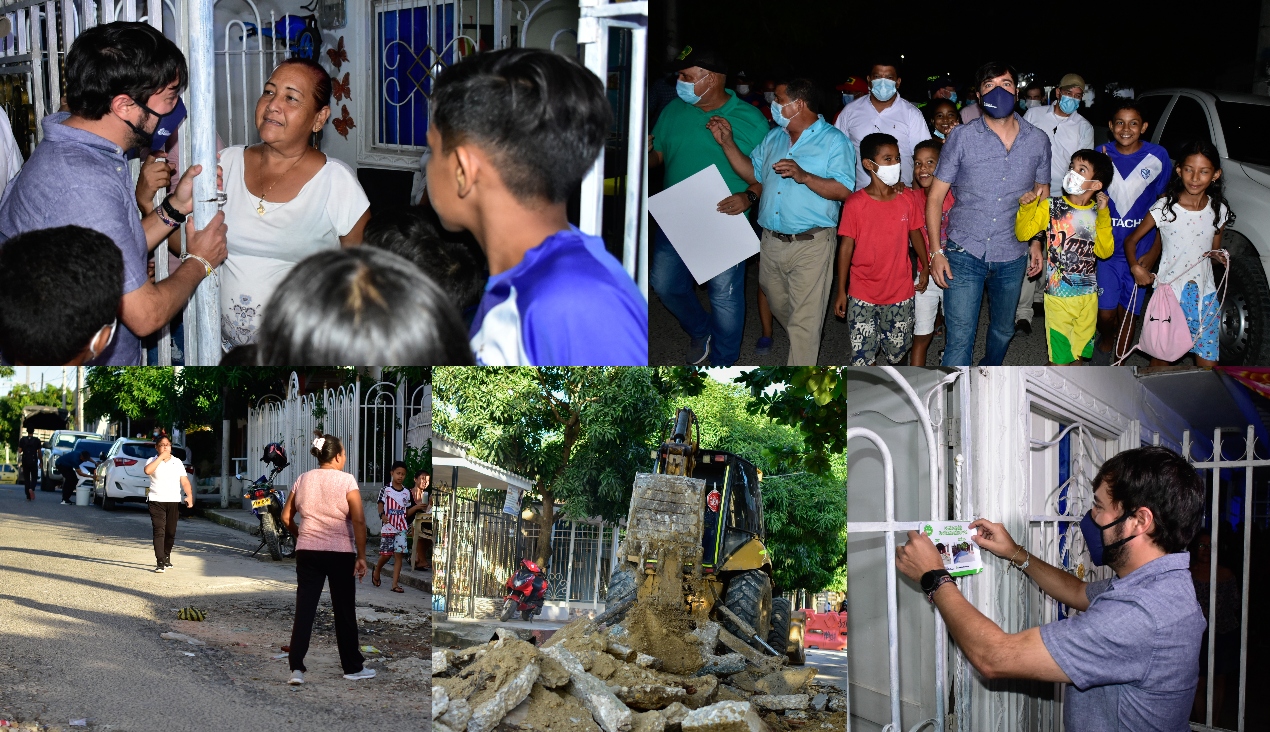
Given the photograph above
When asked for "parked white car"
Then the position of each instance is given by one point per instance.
(1236, 125)
(121, 476)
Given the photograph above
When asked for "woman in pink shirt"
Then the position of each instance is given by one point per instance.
(330, 547)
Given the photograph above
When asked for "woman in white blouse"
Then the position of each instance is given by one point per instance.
(284, 199)
(167, 482)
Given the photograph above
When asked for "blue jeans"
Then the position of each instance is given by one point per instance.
(964, 297)
(725, 322)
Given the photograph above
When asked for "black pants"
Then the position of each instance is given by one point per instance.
(163, 517)
(29, 474)
(69, 480)
(312, 570)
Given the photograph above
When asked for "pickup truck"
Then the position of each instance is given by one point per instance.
(1237, 125)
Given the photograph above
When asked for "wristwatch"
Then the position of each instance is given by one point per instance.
(752, 196)
(932, 580)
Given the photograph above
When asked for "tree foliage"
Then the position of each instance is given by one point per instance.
(22, 395)
(813, 401)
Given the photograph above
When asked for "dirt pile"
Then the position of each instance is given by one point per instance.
(659, 670)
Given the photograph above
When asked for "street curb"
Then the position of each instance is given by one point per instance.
(233, 523)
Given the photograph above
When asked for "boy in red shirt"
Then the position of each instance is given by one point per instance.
(875, 226)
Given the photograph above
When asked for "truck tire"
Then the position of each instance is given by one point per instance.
(270, 533)
(1245, 317)
(749, 595)
(778, 636)
(509, 609)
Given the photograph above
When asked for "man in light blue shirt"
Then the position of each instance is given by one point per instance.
(799, 174)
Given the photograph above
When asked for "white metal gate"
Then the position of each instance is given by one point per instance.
(292, 420)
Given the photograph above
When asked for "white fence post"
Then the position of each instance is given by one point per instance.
(202, 332)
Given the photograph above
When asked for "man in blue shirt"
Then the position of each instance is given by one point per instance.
(1131, 654)
(513, 133)
(121, 79)
(988, 164)
(800, 174)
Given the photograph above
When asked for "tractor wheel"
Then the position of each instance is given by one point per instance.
(778, 637)
(749, 595)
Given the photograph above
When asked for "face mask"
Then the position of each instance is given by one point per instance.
(953, 97)
(778, 116)
(883, 89)
(742, 89)
(1093, 539)
(687, 90)
(847, 99)
(1068, 104)
(1029, 103)
(1074, 183)
(939, 134)
(93, 353)
(145, 139)
(769, 97)
(888, 174)
(167, 125)
(998, 103)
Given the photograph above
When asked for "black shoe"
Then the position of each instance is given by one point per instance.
(1023, 328)
(159, 569)
(167, 561)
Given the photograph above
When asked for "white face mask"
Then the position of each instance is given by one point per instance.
(1074, 183)
(742, 89)
(1032, 103)
(888, 174)
(769, 97)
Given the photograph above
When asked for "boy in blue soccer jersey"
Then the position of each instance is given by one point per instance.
(513, 133)
(1141, 175)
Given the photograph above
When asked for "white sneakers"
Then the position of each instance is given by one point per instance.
(365, 673)
(66, 503)
(297, 678)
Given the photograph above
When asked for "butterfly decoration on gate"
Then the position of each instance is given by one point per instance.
(340, 88)
(338, 55)
(344, 122)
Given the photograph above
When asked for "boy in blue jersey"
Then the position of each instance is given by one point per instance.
(513, 133)
(1141, 175)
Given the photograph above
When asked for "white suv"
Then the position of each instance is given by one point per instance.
(1236, 124)
(121, 475)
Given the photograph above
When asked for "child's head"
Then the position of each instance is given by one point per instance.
(1127, 123)
(879, 150)
(453, 265)
(526, 121)
(941, 117)
(1095, 171)
(360, 306)
(61, 296)
(1198, 173)
(925, 160)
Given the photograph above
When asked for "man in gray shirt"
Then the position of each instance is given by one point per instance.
(987, 164)
(121, 78)
(1131, 655)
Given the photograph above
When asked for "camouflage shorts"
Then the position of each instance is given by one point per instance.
(879, 330)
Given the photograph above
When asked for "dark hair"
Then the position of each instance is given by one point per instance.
(321, 79)
(330, 450)
(1124, 104)
(62, 285)
(162, 436)
(932, 107)
(1103, 171)
(1164, 482)
(360, 306)
(929, 144)
(396, 464)
(244, 355)
(120, 58)
(453, 265)
(1216, 187)
(543, 116)
(872, 142)
(804, 90)
(992, 70)
(884, 60)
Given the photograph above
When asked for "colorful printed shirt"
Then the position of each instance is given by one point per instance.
(1139, 180)
(1074, 235)
(395, 504)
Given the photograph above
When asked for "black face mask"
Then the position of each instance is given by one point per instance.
(143, 138)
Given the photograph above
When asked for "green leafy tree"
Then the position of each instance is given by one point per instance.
(22, 395)
(580, 434)
(813, 400)
(120, 393)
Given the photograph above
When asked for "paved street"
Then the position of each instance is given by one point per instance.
(81, 613)
(831, 667)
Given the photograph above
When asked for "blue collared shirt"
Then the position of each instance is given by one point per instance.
(987, 182)
(76, 178)
(792, 208)
(1133, 656)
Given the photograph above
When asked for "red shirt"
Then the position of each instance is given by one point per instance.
(918, 196)
(880, 272)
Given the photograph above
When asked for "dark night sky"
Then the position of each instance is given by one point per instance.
(1139, 44)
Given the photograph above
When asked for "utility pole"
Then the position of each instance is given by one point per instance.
(63, 387)
(79, 398)
(224, 447)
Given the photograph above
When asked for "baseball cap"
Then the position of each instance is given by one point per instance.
(1071, 80)
(935, 83)
(853, 84)
(703, 56)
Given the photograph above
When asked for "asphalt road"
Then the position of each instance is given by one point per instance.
(831, 667)
(81, 612)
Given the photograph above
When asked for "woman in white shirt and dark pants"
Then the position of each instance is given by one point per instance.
(167, 481)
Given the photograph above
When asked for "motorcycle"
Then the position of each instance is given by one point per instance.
(526, 590)
(267, 501)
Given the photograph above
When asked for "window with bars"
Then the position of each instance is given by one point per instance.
(414, 42)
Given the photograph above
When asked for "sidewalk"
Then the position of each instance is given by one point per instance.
(464, 632)
(245, 521)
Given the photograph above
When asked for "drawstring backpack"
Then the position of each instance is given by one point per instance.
(1165, 334)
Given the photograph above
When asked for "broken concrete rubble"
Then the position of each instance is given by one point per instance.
(609, 711)
(782, 702)
(649, 696)
(727, 716)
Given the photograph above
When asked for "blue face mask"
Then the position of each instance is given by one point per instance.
(1093, 537)
(939, 134)
(998, 103)
(687, 91)
(1068, 104)
(953, 97)
(883, 89)
(779, 118)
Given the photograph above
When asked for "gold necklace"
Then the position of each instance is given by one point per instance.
(260, 204)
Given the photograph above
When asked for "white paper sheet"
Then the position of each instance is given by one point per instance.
(709, 242)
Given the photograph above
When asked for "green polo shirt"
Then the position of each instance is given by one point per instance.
(687, 147)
